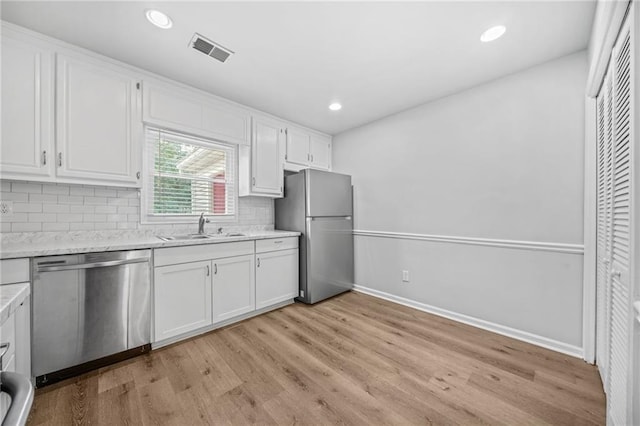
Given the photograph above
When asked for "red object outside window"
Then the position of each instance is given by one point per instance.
(219, 195)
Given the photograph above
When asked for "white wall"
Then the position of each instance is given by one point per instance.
(500, 161)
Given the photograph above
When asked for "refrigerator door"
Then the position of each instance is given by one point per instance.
(328, 194)
(329, 256)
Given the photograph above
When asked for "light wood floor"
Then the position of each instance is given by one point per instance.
(353, 359)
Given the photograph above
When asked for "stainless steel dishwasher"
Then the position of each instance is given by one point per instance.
(89, 310)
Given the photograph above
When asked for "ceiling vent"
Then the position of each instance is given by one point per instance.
(210, 48)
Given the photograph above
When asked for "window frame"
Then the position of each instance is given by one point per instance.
(146, 202)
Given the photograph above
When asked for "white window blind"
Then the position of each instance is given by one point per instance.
(188, 176)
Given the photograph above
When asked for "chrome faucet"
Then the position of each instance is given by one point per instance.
(201, 223)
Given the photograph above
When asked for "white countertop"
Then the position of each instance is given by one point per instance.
(69, 243)
(11, 296)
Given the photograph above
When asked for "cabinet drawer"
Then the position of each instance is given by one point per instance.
(14, 271)
(273, 244)
(175, 255)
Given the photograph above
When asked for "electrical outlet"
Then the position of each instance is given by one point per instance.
(6, 208)
(405, 276)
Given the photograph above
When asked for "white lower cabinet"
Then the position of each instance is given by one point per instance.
(276, 277)
(182, 298)
(15, 330)
(233, 287)
(23, 338)
(198, 288)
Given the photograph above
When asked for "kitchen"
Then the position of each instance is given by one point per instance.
(476, 245)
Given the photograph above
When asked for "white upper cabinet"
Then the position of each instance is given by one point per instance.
(298, 143)
(320, 152)
(73, 116)
(27, 110)
(98, 130)
(67, 116)
(305, 149)
(261, 168)
(189, 111)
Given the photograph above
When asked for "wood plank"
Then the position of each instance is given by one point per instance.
(352, 359)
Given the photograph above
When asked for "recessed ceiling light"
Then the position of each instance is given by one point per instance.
(159, 19)
(335, 106)
(493, 33)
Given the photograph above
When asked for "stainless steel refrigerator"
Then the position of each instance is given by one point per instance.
(320, 205)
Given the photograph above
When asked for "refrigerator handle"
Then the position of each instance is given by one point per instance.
(330, 217)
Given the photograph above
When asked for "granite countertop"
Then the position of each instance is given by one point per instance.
(11, 296)
(39, 244)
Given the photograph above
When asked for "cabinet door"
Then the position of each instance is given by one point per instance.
(276, 277)
(320, 152)
(233, 287)
(622, 239)
(267, 168)
(98, 130)
(27, 110)
(182, 298)
(603, 248)
(297, 147)
(180, 109)
(23, 338)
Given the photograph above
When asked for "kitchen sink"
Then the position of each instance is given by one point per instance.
(228, 234)
(184, 237)
(189, 237)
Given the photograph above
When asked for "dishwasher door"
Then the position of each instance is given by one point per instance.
(89, 306)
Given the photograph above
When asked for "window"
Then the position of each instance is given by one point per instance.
(187, 176)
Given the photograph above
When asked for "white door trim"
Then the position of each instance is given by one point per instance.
(590, 228)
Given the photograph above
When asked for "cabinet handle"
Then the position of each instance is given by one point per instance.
(215, 269)
(258, 262)
(44, 158)
(208, 271)
(253, 181)
(308, 157)
(286, 131)
(616, 274)
(278, 242)
(138, 175)
(312, 158)
(59, 159)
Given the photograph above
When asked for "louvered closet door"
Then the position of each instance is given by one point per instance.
(603, 249)
(619, 403)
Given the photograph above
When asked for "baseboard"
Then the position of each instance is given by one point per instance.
(534, 339)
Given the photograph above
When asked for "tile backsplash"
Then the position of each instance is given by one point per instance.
(42, 207)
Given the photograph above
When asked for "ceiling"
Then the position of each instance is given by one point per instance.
(294, 58)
